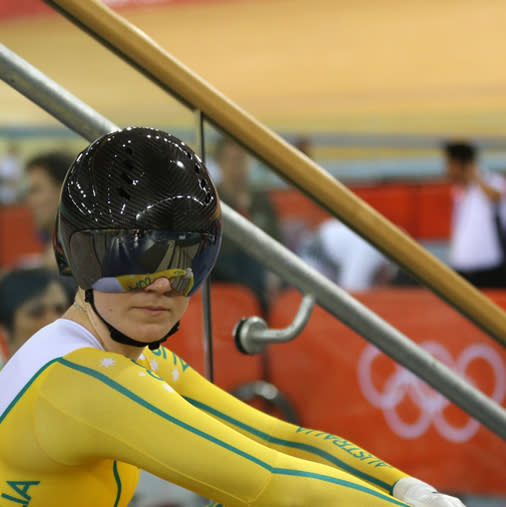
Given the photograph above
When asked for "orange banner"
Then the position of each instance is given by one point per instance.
(341, 384)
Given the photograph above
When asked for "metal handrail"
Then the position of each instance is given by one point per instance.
(252, 334)
(79, 117)
(135, 47)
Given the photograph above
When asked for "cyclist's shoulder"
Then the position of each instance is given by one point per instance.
(163, 361)
(41, 355)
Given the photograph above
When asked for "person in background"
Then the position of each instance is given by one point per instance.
(29, 300)
(46, 173)
(345, 258)
(234, 264)
(477, 234)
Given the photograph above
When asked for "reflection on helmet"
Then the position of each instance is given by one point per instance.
(138, 202)
(181, 281)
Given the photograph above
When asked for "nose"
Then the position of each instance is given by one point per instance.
(160, 285)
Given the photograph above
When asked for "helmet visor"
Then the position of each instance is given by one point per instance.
(123, 260)
(181, 281)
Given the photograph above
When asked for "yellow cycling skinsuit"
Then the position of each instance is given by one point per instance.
(77, 423)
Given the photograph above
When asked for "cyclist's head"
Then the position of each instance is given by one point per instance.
(136, 205)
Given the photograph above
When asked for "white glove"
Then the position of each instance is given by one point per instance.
(420, 494)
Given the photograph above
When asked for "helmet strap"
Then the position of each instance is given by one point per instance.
(118, 336)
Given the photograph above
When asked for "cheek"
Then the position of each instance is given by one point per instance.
(180, 306)
(49, 202)
(25, 326)
(111, 307)
(34, 200)
(55, 196)
(46, 197)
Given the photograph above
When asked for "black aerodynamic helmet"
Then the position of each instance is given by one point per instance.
(137, 204)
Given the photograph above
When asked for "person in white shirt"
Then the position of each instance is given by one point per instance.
(345, 258)
(479, 213)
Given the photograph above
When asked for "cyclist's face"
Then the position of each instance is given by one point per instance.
(144, 314)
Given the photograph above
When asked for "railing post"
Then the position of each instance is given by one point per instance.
(206, 287)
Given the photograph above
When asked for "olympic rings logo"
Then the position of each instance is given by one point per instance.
(403, 383)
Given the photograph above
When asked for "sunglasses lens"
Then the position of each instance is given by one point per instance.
(181, 281)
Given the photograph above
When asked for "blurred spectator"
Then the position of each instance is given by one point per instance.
(46, 173)
(235, 265)
(11, 175)
(29, 300)
(296, 230)
(479, 213)
(345, 258)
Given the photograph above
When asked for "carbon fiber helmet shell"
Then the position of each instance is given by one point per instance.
(136, 182)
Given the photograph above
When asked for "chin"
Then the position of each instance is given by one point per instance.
(150, 333)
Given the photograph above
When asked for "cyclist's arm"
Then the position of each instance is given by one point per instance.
(304, 443)
(127, 413)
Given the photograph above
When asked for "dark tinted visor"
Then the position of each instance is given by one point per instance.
(111, 259)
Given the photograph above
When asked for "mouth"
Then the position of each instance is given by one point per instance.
(152, 310)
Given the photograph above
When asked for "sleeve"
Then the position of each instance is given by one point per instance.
(308, 444)
(358, 273)
(496, 181)
(101, 405)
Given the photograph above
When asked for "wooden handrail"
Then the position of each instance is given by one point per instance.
(138, 49)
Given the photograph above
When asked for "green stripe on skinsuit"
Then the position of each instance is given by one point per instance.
(280, 471)
(297, 445)
(25, 388)
(118, 483)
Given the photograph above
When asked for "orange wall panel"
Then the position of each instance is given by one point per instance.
(341, 384)
(394, 201)
(433, 211)
(292, 205)
(229, 304)
(422, 210)
(18, 236)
